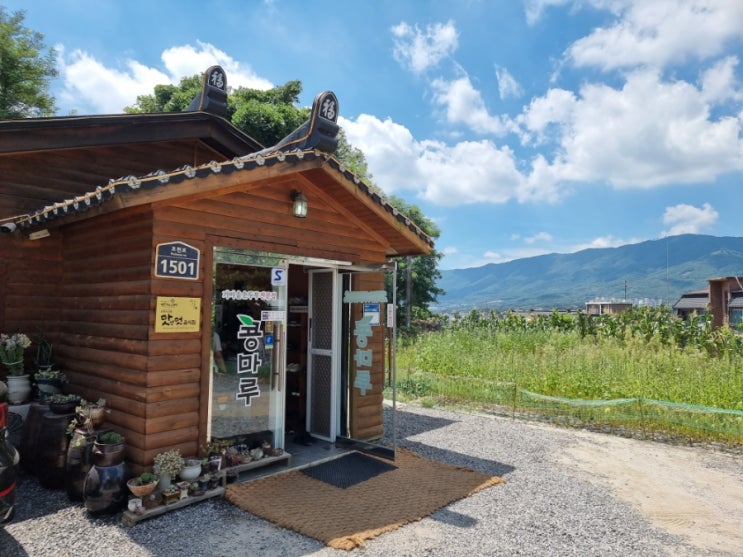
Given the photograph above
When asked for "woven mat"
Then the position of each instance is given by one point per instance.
(345, 518)
(349, 470)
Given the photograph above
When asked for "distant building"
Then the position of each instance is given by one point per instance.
(726, 301)
(607, 306)
(692, 303)
(723, 299)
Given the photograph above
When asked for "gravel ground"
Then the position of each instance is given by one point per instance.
(545, 508)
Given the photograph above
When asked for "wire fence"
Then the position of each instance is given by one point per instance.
(631, 417)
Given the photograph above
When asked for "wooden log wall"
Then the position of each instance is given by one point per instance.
(104, 307)
(92, 290)
(30, 273)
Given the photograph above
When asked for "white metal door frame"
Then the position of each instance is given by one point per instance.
(323, 396)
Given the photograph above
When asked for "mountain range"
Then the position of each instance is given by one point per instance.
(650, 272)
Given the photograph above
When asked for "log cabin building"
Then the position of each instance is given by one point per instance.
(130, 240)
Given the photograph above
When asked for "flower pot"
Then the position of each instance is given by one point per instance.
(64, 407)
(108, 454)
(52, 449)
(78, 463)
(104, 491)
(165, 481)
(48, 387)
(140, 490)
(19, 388)
(170, 497)
(30, 437)
(97, 415)
(215, 463)
(191, 469)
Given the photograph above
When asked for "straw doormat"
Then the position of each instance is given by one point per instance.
(344, 518)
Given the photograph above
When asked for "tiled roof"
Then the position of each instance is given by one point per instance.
(162, 179)
(736, 302)
(692, 301)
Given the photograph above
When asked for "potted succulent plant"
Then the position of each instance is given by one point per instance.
(49, 382)
(168, 465)
(11, 355)
(143, 485)
(63, 404)
(171, 494)
(44, 354)
(109, 449)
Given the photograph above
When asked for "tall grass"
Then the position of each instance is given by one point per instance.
(643, 355)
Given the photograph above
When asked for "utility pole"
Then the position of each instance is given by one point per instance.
(409, 291)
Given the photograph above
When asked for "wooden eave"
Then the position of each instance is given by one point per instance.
(50, 160)
(318, 172)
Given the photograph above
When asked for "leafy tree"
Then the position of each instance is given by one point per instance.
(417, 276)
(168, 98)
(266, 116)
(352, 157)
(26, 66)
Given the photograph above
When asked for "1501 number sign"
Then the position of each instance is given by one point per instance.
(177, 260)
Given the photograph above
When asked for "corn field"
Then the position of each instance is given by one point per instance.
(642, 372)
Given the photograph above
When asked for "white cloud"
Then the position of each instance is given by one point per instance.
(492, 257)
(91, 87)
(719, 83)
(448, 175)
(648, 133)
(468, 172)
(657, 32)
(422, 49)
(539, 237)
(187, 60)
(390, 150)
(88, 83)
(602, 242)
(687, 219)
(507, 84)
(450, 250)
(464, 105)
(534, 8)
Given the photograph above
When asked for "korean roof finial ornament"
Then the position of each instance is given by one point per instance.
(213, 96)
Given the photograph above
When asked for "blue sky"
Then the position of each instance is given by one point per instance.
(520, 128)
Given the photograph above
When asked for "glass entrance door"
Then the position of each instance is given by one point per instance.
(249, 312)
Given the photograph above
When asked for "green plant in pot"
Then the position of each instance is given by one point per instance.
(44, 354)
(63, 404)
(49, 382)
(168, 465)
(143, 485)
(12, 348)
(109, 449)
(171, 494)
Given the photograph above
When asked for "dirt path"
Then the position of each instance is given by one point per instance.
(695, 493)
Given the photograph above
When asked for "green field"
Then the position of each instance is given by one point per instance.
(642, 373)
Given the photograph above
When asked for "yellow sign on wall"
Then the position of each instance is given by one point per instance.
(177, 315)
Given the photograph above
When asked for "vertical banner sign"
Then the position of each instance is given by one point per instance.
(177, 260)
(249, 359)
(363, 355)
